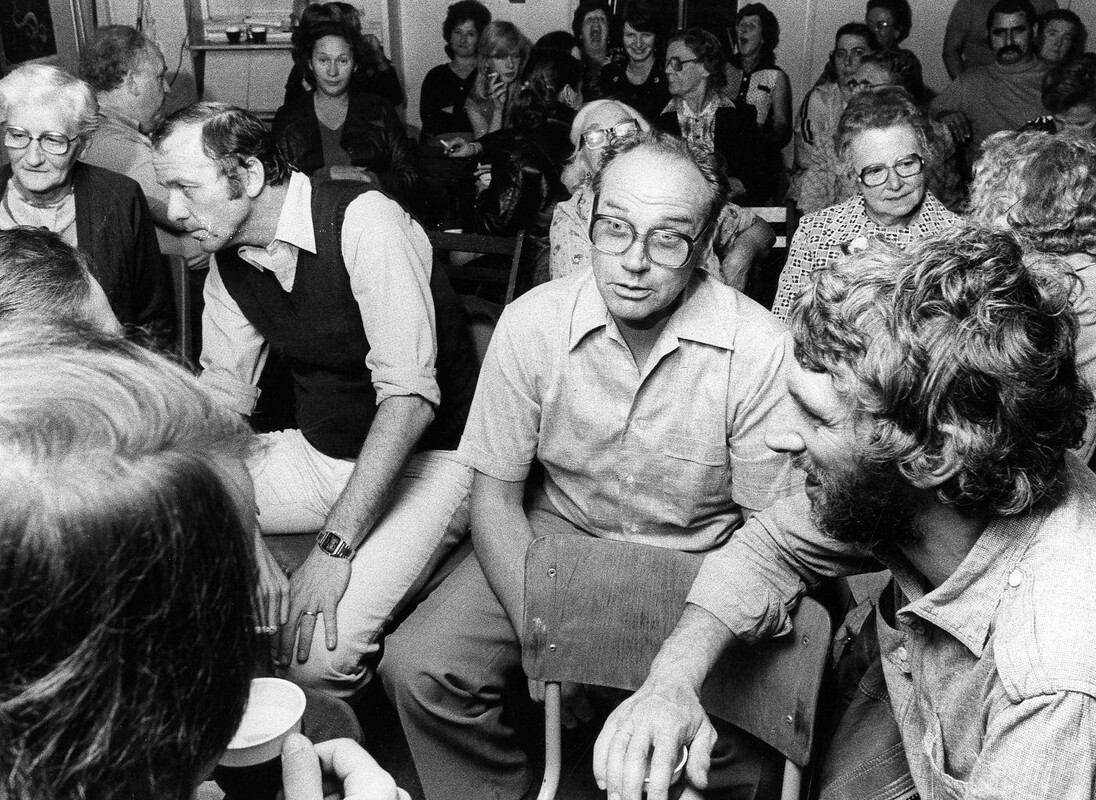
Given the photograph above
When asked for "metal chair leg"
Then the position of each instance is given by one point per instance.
(553, 760)
(793, 781)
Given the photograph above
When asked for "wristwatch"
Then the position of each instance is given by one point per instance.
(334, 545)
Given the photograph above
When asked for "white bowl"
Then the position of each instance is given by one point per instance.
(274, 710)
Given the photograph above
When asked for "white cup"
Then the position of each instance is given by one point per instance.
(274, 710)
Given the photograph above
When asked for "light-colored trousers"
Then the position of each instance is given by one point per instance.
(427, 516)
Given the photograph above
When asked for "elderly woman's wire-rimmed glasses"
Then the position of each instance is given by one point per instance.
(597, 139)
(877, 174)
(663, 246)
(53, 142)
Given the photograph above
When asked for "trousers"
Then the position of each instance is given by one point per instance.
(427, 516)
(449, 669)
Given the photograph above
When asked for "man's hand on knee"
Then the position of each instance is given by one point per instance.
(648, 730)
(316, 588)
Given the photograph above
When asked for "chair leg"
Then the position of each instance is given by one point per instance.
(793, 781)
(553, 760)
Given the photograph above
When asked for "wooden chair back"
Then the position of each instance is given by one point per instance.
(180, 285)
(483, 244)
(597, 611)
(765, 276)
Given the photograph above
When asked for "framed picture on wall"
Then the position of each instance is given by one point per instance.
(51, 31)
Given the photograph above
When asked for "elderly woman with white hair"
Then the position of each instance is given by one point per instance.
(48, 116)
(742, 239)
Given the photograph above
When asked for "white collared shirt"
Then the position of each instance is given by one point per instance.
(388, 258)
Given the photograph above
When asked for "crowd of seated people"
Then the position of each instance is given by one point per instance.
(918, 397)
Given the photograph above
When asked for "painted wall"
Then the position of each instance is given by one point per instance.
(807, 28)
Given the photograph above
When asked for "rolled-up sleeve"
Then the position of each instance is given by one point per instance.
(233, 351)
(389, 259)
(751, 583)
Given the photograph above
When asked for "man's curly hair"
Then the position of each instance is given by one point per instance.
(953, 346)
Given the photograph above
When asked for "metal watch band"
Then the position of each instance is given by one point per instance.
(333, 544)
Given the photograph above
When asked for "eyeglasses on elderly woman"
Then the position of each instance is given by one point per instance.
(601, 137)
(53, 142)
(676, 64)
(878, 174)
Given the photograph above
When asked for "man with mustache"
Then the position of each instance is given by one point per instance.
(937, 399)
(1003, 95)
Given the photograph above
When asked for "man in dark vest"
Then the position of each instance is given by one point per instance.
(338, 280)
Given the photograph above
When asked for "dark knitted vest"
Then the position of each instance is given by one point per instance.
(317, 328)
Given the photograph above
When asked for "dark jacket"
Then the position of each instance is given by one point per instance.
(525, 179)
(738, 141)
(114, 227)
(648, 98)
(372, 134)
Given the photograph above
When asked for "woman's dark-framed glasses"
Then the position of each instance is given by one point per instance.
(52, 142)
(597, 139)
(877, 174)
(676, 63)
(664, 247)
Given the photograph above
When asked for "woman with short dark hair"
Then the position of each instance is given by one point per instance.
(445, 88)
(703, 114)
(639, 80)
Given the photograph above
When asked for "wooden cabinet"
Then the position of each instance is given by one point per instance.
(250, 76)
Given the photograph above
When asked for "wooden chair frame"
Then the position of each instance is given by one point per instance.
(484, 244)
(597, 611)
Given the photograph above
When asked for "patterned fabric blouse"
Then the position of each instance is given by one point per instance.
(825, 236)
(698, 127)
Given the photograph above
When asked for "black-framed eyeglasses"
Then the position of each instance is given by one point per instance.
(663, 246)
(881, 24)
(877, 174)
(596, 139)
(676, 63)
(53, 142)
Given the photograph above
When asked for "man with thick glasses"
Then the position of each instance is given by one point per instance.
(643, 387)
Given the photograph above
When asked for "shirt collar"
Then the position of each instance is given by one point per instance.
(295, 221)
(700, 317)
(293, 233)
(964, 605)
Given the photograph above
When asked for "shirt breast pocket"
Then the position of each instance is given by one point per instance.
(695, 468)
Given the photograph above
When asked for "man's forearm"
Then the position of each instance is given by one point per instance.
(397, 427)
(691, 650)
(500, 535)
